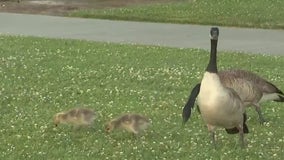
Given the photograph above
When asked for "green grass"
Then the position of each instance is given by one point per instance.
(40, 77)
(242, 13)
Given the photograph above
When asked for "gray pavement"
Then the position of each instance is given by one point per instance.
(173, 35)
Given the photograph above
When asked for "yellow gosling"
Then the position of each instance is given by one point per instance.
(134, 123)
(76, 117)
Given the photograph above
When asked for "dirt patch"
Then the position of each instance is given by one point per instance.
(62, 7)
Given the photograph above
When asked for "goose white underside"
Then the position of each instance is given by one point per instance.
(217, 106)
(269, 97)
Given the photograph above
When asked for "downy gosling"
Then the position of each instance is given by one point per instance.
(77, 117)
(134, 123)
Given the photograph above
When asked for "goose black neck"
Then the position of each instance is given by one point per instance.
(212, 65)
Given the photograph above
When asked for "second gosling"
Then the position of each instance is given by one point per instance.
(76, 117)
(134, 123)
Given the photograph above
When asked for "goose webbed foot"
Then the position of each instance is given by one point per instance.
(262, 120)
(260, 115)
(213, 139)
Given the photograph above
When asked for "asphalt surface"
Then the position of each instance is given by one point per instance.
(259, 41)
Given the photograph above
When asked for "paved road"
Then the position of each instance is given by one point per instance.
(173, 35)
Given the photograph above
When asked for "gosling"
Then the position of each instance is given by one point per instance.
(133, 123)
(77, 117)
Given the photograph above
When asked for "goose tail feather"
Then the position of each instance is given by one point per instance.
(186, 113)
(281, 98)
(277, 91)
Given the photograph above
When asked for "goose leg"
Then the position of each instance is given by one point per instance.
(212, 134)
(260, 115)
(241, 132)
(213, 139)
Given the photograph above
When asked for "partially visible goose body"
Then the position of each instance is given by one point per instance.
(131, 122)
(220, 106)
(251, 88)
(76, 117)
(269, 91)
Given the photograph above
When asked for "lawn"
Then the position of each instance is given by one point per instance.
(40, 77)
(241, 13)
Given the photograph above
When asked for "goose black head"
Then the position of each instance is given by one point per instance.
(214, 33)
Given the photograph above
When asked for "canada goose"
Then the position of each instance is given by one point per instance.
(252, 89)
(220, 106)
(134, 123)
(76, 117)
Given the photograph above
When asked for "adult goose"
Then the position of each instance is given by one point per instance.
(251, 88)
(220, 106)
